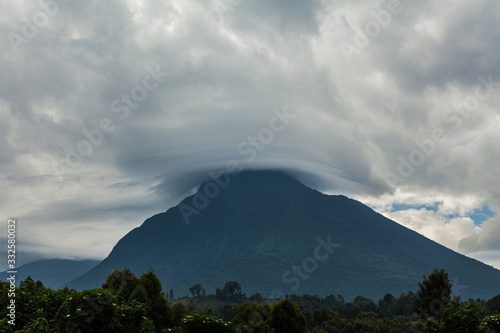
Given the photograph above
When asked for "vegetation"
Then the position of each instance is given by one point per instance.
(127, 303)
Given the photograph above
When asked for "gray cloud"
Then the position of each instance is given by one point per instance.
(227, 72)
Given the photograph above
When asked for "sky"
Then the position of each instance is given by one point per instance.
(113, 111)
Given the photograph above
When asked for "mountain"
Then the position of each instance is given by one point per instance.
(53, 272)
(276, 236)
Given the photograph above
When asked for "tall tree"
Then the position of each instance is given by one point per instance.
(287, 318)
(121, 283)
(171, 294)
(179, 312)
(139, 294)
(161, 313)
(232, 290)
(493, 305)
(196, 290)
(152, 284)
(433, 295)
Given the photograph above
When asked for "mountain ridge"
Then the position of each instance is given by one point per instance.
(53, 273)
(264, 224)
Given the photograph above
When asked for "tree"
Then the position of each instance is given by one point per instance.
(121, 283)
(455, 320)
(387, 304)
(196, 290)
(207, 324)
(147, 326)
(433, 295)
(252, 317)
(161, 313)
(40, 325)
(29, 298)
(139, 295)
(130, 316)
(92, 310)
(287, 318)
(493, 305)
(171, 294)
(492, 322)
(179, 312)
(233, 289)
(152, 284)
(365, 304)
(231, 292)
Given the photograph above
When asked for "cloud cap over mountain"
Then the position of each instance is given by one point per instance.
(113, 111)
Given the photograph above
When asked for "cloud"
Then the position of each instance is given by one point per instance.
(89, 68)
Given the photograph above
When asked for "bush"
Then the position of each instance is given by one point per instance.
(492, 322)
(207, 324)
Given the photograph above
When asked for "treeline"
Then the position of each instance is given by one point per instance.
(130, 303)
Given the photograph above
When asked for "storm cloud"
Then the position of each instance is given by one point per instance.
(113, 111)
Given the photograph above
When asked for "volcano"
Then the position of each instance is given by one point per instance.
(276, 236)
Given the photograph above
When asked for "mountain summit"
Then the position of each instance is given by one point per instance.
(276, 236)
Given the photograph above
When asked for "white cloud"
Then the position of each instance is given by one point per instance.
(227, 72)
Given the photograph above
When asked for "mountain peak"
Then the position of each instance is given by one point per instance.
(265, 230)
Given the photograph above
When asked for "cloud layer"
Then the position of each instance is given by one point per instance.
(113, 111)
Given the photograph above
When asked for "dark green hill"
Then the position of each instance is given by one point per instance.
(263, 231)
(53, 272)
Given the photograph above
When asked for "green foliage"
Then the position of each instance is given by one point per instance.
(349, 310)
(492, 323)
(433, 295)
(161, 313)
(151, 283)
(228, 312)
(365, 304)
(171, 294)
(39, 325)
(195, 290)
(206, 324)
(367, 322)
(173, 330)
(253, 317)
(121, 283)
(139, 294)
(257, 327)
(230, 293)
(493, 306)
(179, 312)
(455, 320)
(29, 299)
(101, 310)
(130, 316)
(92, 310)
(147, 326)
(233, 289)
(387, 304)
(287, 318)
(5, 327)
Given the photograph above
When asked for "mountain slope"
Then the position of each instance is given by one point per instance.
(53, 272)
(262, 231)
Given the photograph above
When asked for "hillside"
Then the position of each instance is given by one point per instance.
(53, 272)
(268, 231)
